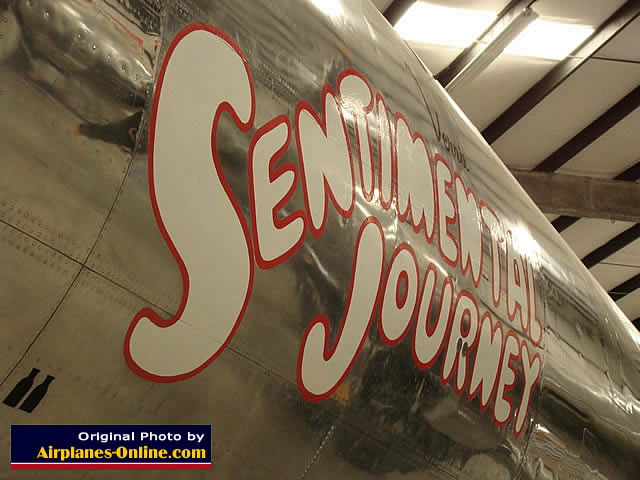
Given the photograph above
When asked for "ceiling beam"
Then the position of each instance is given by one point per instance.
(612, 246)
(563, 222)
(587, 136)
(469, 54)
(582, 196)
(592, 132)
(598, 39)
(394, 12)
(625, 288)
(631, 174)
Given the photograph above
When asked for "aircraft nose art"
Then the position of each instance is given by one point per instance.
(269, 218)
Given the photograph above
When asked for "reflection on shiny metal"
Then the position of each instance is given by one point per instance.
(81, 254)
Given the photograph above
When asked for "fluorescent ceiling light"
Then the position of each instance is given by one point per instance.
(459, 27)
(495, 47)
(549, 39)
(443, 25)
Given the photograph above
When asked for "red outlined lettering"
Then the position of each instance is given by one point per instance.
(150, 336)
(386, 171)
(321, 369)
(502, 406)
(494, 227)
(428, 341)
(487, 361)
(535, 326)
(531, 368)
(446, 212)
(356, 97)
(423, 189)
(469, 231)
(465, 307)
(320, 155)
(281, 238)
(396, 313)
(517, 298)
(414, 179)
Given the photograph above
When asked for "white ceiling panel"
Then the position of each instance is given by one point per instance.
(435, 57)
(587, 234)
(625, 45)
(382, 5)
(616, 150)
(610, 276)
(630, 305)
(488, 5)
(583, 12)
(497, 87)
(582, 98)
(629, 255)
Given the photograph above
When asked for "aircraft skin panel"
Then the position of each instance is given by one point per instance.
(388, 303)
(40, 191)
(51, 277)
(154, 275)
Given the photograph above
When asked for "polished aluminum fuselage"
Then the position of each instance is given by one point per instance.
(82, 255)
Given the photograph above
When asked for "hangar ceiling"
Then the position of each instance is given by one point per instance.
(550, 118)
